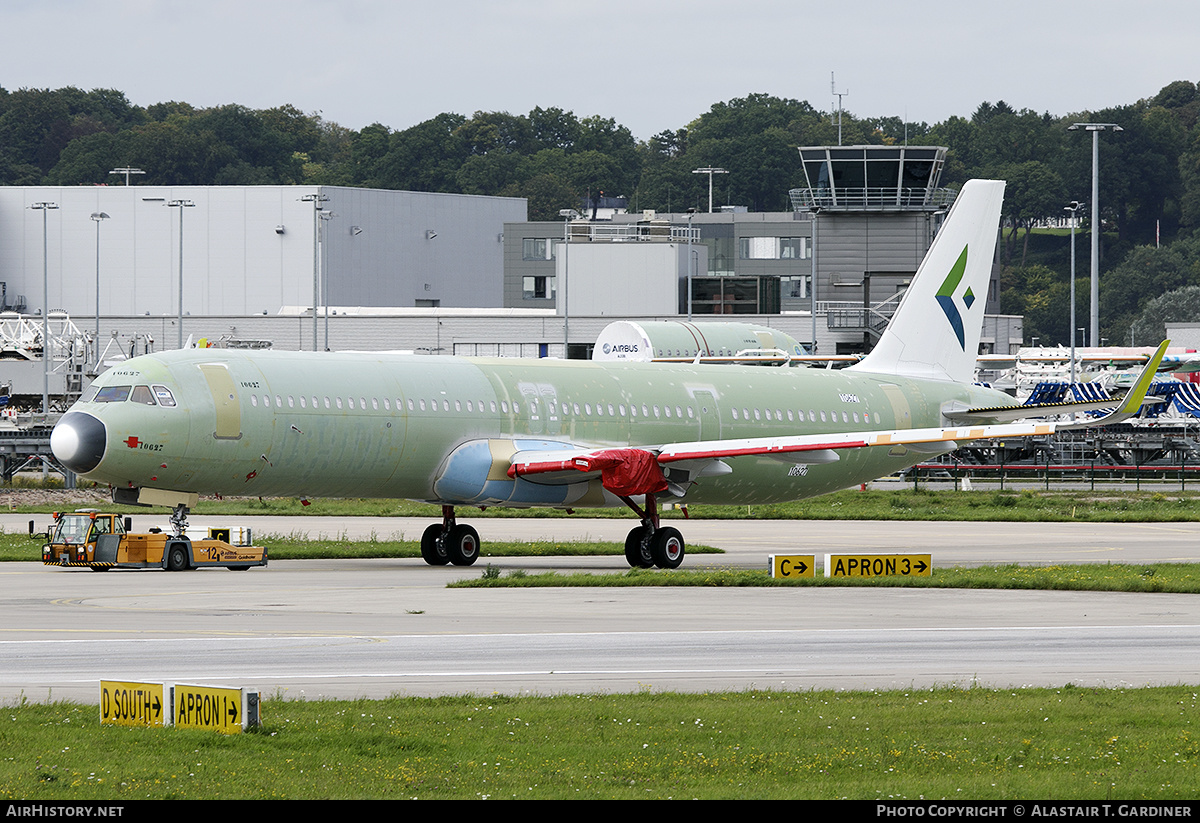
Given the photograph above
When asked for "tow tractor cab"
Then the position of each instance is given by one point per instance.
(102, 541)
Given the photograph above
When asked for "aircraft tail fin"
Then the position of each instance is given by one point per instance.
(936, 328)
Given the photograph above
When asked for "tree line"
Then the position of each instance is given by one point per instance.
(1149, 171)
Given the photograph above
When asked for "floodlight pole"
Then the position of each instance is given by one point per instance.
(567, 215)
(1095, 129)
(127, 170)
(98, 216)
(181, 205)
(691, 214)
(710, 171)
(316, 199)
(326, 216)
(45, 206)
(1073, 208)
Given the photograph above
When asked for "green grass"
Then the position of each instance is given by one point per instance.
(17, 547)
(1059, 744)
(903, 503)
(1013, 506)
(1177, 578)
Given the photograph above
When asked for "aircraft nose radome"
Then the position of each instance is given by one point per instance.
(78, 441)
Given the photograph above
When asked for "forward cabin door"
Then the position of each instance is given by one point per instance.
(228, 424)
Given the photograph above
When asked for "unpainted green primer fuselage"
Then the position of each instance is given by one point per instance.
(443, 428)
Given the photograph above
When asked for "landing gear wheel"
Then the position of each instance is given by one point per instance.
(462, 545)
(666, 546)
(177, 559)
(637, 553)
(433, 548)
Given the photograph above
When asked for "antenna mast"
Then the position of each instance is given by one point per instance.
(839, 95)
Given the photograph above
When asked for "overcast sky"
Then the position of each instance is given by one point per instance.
(650, 65)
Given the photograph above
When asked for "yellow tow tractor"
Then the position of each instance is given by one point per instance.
(102, 541)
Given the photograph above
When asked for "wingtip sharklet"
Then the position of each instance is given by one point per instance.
(1135, 396)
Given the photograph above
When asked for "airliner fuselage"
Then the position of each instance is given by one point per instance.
(444, 428)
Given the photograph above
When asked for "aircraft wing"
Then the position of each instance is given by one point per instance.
(1180, 363)
(818, 448)
(631, 470)
(1121, 409)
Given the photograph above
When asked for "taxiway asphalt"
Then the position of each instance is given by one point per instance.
(370, 628)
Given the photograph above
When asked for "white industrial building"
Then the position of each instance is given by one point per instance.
(248, 250)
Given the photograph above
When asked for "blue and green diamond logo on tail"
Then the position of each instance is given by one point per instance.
(945, 296)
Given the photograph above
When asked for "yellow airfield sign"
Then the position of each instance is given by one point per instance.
(793, 565)
(878, 565)
(225, 710)
(128, 703)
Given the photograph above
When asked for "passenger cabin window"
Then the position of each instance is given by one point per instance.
(113, 394)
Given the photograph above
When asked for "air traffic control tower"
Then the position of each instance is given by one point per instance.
(874, 211)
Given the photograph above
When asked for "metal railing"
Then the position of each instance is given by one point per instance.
(21, 335)
(845, 314)
(618, 232)
(1116, 454)
(888, 198)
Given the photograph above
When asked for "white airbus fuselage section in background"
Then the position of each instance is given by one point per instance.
(571, 434)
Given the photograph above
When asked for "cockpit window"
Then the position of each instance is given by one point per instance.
(165, 398)
(89, 394)
(141, 394)
(113, 394)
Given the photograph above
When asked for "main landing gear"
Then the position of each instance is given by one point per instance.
(450, 542)
(651, 544)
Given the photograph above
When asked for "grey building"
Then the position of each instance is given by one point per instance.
(249, 250)
(861, 223)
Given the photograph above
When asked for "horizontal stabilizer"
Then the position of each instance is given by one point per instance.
(1122, 409)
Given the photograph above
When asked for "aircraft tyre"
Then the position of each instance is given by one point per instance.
(667, 548)
(462, 545)
(636, 552)
(176, 558)
(433, 548)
